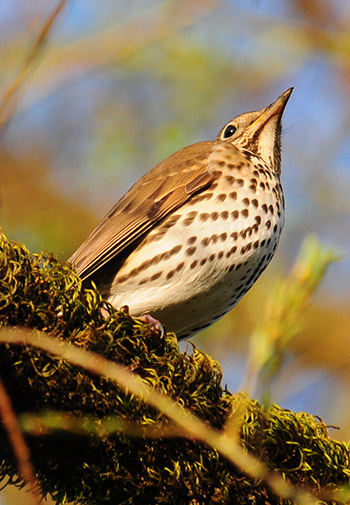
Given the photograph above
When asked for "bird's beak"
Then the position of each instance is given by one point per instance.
(275, 109)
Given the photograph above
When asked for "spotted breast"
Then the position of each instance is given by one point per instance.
(193, 235)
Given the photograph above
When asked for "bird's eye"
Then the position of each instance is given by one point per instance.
(229, 131)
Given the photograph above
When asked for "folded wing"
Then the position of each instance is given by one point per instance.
(160, 191)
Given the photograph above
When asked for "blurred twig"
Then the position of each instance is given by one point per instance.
(113, 44)
(283, 316)
(19, 446)
(11, 95)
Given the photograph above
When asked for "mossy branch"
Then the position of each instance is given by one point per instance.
(112, 444)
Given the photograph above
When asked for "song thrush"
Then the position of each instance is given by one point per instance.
(189, 239)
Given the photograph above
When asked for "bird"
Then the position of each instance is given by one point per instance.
(191, 236)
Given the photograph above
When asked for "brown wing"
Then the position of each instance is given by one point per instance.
(160, 191)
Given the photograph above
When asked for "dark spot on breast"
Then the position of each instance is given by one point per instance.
(275, 228)
(206, 241)
(194, 264)
(157, 236)
(245, 212)
(166, 255)
(224, 214)
(200, 198)
(234, 235)
(220, 254)
(217, 173)
(156, 276)
(262, 185)
(170, 274)
(180, 266)
(203, 261)
(256, 244)
(240, 182)
(221, 197)
(156, 259)
(214, 216)
(233, 195)
(190, 218)
(211, 257)
(191, 240)
(230, 179)
(246, 201)
(235, 214)
(264, 208)
(268, 224)
(204, 216)
(223, 237)
(258, 219)
(247, 231)
(231, 251)
(191, 250)
(271, 209)
(255, 203)
(170, 221)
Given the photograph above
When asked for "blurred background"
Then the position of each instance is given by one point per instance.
(119, 86)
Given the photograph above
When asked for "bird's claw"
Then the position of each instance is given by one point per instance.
(156, 325)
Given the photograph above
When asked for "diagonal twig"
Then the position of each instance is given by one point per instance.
(18, 444)
(10, 97)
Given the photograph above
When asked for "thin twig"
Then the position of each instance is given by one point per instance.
(18, 444)
(10, 97)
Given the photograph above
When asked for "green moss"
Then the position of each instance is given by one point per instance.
(40, 292)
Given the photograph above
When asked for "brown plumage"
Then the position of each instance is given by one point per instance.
(159, 192)
(167, 208)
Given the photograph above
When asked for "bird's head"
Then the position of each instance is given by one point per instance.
(259, 131)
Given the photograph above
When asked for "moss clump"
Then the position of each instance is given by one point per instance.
(40, 292)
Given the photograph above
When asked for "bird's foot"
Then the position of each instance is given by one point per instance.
(156, 325)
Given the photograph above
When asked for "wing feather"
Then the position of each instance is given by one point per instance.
(160, 191)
